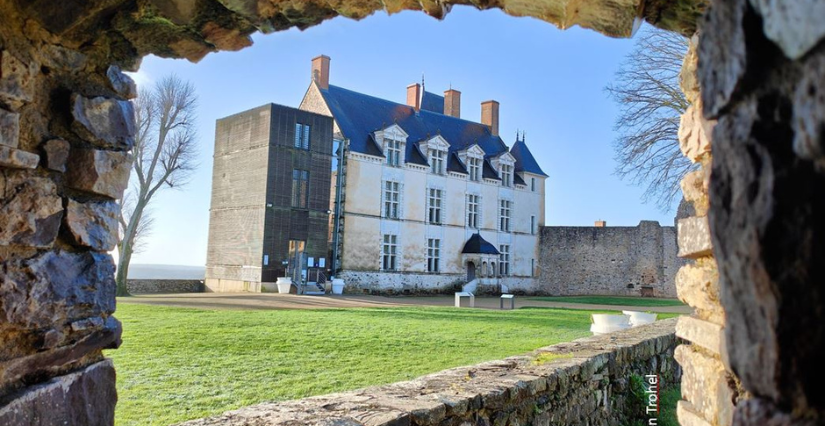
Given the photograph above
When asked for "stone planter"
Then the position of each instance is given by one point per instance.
(640, 318)
(608, 323)
(337, 286)
(284, 285)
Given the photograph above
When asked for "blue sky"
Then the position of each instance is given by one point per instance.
(550, 84)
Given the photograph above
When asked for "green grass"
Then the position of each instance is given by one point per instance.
(613, 300)
(667, 405)
(178, 364)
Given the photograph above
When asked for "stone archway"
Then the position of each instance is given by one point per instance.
(66, 129)
(471, 271)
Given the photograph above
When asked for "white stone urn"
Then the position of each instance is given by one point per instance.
(640, 318)
(608, 323)
(337, 286)
(284, 285)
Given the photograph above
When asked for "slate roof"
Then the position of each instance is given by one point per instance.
(478, 245)
(432, 102)
(525, 162)
(359, 115)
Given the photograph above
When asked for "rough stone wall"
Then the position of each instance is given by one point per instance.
(761, 66)
(613, 260)
(158, 286)
(584, 382)
(393, 283)
(66, 127)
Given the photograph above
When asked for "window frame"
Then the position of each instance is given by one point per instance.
(435, 206)
(503, 260)
(474, 168)
(392, 198)
(505, 206)
(389, 253)
(473, 215)
(438, 161)
(300, 189)
(302, 135)
(393, 151)
(433, 255)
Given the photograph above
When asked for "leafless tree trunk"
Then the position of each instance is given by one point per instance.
(164, 158)
(647, 90)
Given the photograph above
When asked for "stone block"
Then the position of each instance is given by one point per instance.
(86, 397)
(59, 57)
(688, 79)
(705, 385)
(809, 111)
(56, 154)
(698, 285)
(56, 287)
(694, 237)
(93, 224)
(722, 54)
(30, 212)
(695, 192)
(703, 333)
(796, 26)
(122, 84)
(9, 128)
(695, 133)
(108, 123)
(18, 159)
(100, 172)
(15, 79)
(688, 416)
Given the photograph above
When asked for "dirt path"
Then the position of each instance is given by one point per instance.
(284, 301)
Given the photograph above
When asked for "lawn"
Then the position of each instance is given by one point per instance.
(178, 364)
(613, 300)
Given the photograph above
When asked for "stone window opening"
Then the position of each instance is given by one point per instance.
(437, 157)
(433, 254)
(505, 207)
(504, 259)
(302, 136)
(473, 208)
(532, 224)
(392, 195)
(533, 184)
(389, 252)
(393, 152)
(435, 198)
(506, 175)
(300, 188)
(474, 168)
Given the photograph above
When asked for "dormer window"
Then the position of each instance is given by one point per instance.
(393, 152)
(474, 168)
(437, 158)
(506, 175)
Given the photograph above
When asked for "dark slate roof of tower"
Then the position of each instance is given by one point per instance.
(454, 164)
(359, 115)
(525, 162)
(478, 245)
(432, 102)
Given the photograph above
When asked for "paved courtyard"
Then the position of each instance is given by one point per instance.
(291, 301)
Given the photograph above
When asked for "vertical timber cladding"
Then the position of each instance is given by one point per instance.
(283, 222)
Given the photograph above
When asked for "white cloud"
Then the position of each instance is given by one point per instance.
(142, 78)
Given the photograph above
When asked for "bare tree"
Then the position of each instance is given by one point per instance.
(647, 90)
(164, 158)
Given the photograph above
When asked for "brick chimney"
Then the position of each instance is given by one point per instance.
(601, 223)
(452, 103)
(320, 71)
(414, 96)
(489, 115)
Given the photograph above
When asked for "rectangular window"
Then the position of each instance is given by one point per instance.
(533, 184)
(393, 152)
(532, 267)
(474, 167)
(433, 254)
(506, 175)
(388, 257)
(300, 188)
(533, 224)
(472, 211)
(437, 161)
(504, 215)
(504, 259)
(391, 194)
(301, 136)
(434, 198)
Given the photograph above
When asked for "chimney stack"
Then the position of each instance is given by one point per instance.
(452, 103)
(414, 96)
(601, 223)
(489, 115)
(320, 71)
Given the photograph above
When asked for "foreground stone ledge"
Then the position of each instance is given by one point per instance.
(84, 398)
(579, 382)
